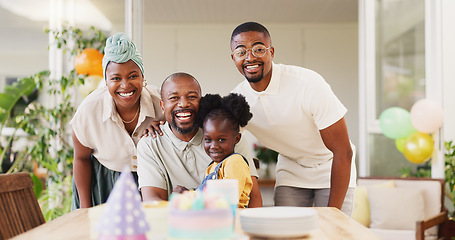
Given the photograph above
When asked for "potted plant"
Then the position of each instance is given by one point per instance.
(48, 128)
(267, 156)
(13, 99)
(450, 183)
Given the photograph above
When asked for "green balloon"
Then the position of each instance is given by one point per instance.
(399, 143)
(395, 123)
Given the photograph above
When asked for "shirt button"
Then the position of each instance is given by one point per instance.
(135, 134)
(134, 166)
(134, 157)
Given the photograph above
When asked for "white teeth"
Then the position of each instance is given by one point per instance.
(252, 67)
(183, 114)
(126, 94)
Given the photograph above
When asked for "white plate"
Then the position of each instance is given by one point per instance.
(278, 212)
(236, 236)
(276, 233)
(266, 227)
(279, 235)
(240, 236)
(279, 222)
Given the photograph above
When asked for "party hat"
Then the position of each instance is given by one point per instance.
(123, 217)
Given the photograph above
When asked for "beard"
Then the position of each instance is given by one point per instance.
(182, 130)
(254, 79)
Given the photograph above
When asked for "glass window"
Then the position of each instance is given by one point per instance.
(400, 74)
(400, 53)
(23, 44)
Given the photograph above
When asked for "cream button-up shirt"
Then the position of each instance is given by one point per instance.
(98, 126)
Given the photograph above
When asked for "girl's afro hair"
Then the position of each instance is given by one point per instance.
(233, 106)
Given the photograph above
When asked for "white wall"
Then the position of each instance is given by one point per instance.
(23, 49)
(448, 75)
(203, 51)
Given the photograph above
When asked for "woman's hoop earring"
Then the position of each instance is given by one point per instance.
(144, 83)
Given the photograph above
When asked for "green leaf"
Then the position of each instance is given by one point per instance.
(14, 92)
(37, 185)
(6, 101)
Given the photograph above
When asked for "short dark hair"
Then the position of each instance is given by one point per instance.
(177, 74)
(250, 26)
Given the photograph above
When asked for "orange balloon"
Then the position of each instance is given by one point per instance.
(89, 62)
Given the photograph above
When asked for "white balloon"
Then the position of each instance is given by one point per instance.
(427, 115)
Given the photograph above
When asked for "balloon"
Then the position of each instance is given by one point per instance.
(90, 84)
(395, 123)
(418, 147)
(89, 62)
(399, 143)
(427, 115)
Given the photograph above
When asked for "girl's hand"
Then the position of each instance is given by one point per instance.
(153, 129)
(180, 189)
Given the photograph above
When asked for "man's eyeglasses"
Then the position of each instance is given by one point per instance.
(257, 51)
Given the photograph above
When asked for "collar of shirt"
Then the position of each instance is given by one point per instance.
(147, 110)
(272, 89)
(178, 143)
(274, 84)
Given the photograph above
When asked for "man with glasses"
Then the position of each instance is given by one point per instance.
(296, 114)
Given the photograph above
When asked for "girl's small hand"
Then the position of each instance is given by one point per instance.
(180, 189)
(153, 129)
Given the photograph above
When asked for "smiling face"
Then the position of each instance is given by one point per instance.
(125, 82)
(180, 96)
(219, 138)
(256, 70)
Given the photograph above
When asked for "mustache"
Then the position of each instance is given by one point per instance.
(192, 111)
(252, 62)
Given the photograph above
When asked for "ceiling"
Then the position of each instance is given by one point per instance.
(18, 24)
(234, 11)
(201, 11)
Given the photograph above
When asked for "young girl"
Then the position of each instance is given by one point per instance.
(221, 119)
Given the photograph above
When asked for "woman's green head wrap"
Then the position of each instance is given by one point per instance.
(119, 49)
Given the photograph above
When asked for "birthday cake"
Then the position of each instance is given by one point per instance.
(199, 215)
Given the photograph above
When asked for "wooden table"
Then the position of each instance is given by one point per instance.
(333, 224)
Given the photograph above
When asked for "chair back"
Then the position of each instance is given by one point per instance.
(19, 208)
(432, 190)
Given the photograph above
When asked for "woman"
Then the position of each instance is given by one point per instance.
(109, 123)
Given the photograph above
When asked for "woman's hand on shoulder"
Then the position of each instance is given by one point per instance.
(153, 129)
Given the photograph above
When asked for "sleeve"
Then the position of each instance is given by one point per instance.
(242, 148)
(210, 169)
(150, 169)
(235, 167)
(79, 125)
(321, 102)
